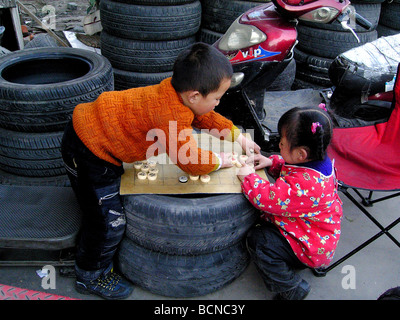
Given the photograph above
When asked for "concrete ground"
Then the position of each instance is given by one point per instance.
(365, 276)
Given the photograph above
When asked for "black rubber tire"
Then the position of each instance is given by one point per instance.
(384, 31)
(39, 88)
(142, 56)
(390, 15)
(218, 15)
(316, 78)
(140, 22)
(181, 276)
(127, 79)
(312, 68)
(209, 36)
(191, 225)
(314, 63)
(328, 43)
(31, 154)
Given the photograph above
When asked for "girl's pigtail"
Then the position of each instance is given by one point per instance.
(317, 131)
(321, 144)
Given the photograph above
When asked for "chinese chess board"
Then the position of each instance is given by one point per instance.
(167, 182)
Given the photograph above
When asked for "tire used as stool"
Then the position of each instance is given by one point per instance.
(181, 276)
(176, 225)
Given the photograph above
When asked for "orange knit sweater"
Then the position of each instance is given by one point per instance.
(124, 126)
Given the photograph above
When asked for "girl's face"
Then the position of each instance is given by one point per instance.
(294, 156)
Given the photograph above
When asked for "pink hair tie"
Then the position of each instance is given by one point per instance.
(314, 126)
(322, 106)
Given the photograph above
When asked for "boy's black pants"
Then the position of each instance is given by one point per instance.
(96, 184)
(273, 257)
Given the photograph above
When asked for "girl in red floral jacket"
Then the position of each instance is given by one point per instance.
(301, 210)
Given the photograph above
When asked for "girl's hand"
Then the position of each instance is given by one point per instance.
(244, 171)
(249, 146)
(259, 161)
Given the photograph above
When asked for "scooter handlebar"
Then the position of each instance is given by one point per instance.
(360, 20)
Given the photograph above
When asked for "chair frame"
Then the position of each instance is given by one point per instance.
(365, 202)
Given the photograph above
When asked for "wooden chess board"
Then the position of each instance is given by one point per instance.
(167, 182)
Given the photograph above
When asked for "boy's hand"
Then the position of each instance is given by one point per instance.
(226, 160)
(249, 146)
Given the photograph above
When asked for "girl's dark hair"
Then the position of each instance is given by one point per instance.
(200, 67)
(308, 127)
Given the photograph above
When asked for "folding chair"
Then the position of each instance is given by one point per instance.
(368, 158)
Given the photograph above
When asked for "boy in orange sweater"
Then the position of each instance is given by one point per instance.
(116, 127)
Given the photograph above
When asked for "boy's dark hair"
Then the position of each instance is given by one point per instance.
(308, 127)
(200, 67)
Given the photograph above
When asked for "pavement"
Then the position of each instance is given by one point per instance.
(364, 276)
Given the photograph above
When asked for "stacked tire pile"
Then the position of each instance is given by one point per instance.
(389, 21)
(320, 43)
(143, 38)
(217, 16)
(185, 246)
(39, 88)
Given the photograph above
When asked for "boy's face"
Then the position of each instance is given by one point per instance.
(200, 104)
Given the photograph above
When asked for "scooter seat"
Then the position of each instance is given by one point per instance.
(367, 69)
(39, 217)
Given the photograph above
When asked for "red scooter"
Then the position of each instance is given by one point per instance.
(259, 45)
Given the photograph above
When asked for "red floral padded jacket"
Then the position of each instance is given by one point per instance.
(304, 204)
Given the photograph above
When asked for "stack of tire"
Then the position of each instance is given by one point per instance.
(217, 16)
(320, 43)
(185, 246)
(39, 88)
(389, 21)
(142, 38)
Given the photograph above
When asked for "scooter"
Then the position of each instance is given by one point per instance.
(260, 44)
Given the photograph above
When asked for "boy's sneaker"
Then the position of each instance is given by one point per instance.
(298, 293)
(108, 286)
